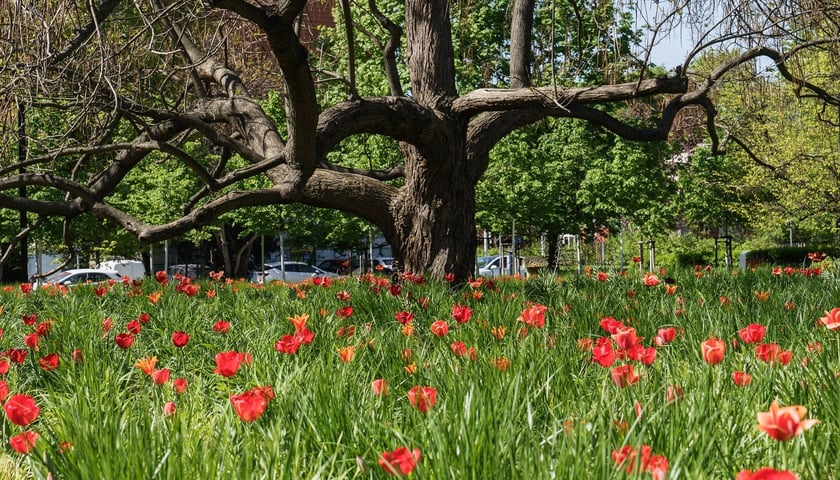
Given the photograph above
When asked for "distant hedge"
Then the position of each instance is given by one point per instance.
(792, 256)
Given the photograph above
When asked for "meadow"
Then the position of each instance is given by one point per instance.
(604, 375)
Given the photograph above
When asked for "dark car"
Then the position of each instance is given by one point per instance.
(340, 266)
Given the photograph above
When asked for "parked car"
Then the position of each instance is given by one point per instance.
(380, 265)
(192, 270)
(499, 266)
(132, 269)
(295, 272)
(80, 276)
(341, 266)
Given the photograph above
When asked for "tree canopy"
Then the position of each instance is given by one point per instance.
(119, 87)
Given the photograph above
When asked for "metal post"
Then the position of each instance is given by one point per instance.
(621, 245)
(262, 256)
(641, 255)
(151, 259)
(579, 256)
(501, 256)
(652, 258)
(728, 251)
(166, 256)
(282, 257)
(514, 268)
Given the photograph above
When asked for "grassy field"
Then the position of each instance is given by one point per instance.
(321, 380)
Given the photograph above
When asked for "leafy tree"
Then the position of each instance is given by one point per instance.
(142, 79)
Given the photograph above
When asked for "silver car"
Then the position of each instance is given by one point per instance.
(80, 276)
(295, 272)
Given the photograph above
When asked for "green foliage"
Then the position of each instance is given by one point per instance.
(566, 175)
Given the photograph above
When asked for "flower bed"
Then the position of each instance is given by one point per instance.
(710, 374)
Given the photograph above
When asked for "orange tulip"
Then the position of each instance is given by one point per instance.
(713, 350)
(784, 423)
(831, 320)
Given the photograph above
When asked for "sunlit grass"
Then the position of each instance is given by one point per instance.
(548, 412)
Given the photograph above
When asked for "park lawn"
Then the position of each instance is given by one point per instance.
(495, 379)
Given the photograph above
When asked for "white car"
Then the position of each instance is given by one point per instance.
(295, 272)
(81, 276)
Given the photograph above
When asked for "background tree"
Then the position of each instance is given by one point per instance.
(143, 79)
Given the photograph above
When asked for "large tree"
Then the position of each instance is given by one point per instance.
(135, 81)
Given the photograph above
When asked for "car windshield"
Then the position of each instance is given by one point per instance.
(482, 261)
(56, 277)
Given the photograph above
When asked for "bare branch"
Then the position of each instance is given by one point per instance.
(389, 52)
(351, 47)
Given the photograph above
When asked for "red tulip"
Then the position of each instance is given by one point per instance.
(625, 337)
(784, 423)
(439, 328)
(23, 442)
(179, 385)
(534, 316)
(179, 339)
(49, 362)
(651, 280)
(404, 317)
(623, 375)
(766, 473)
(458, 348)
(665, 336)
(461, 314)
(742, 379)
(133, 327)
(713, 350)
(29, 318)
(227, 363)
(169, 409)
(287, 344)
(21, 409)
(379, 386)
(752, 333)
(251, 404)
(422, 398)
(4, 390)
(603, 352)
(160, 377)
(17, 355)
(124, 340)
(344, 312)
(610, 324)
(42, 329)
(31, 340)
(400, 462)
(221, 326)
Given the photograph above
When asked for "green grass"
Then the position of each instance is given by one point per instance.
(552, 414)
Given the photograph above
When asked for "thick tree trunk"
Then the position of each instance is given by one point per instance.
(435, 214)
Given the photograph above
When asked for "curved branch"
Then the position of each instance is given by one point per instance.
(484, 100)
(400, 118)
(368, 198)
(381, 175)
